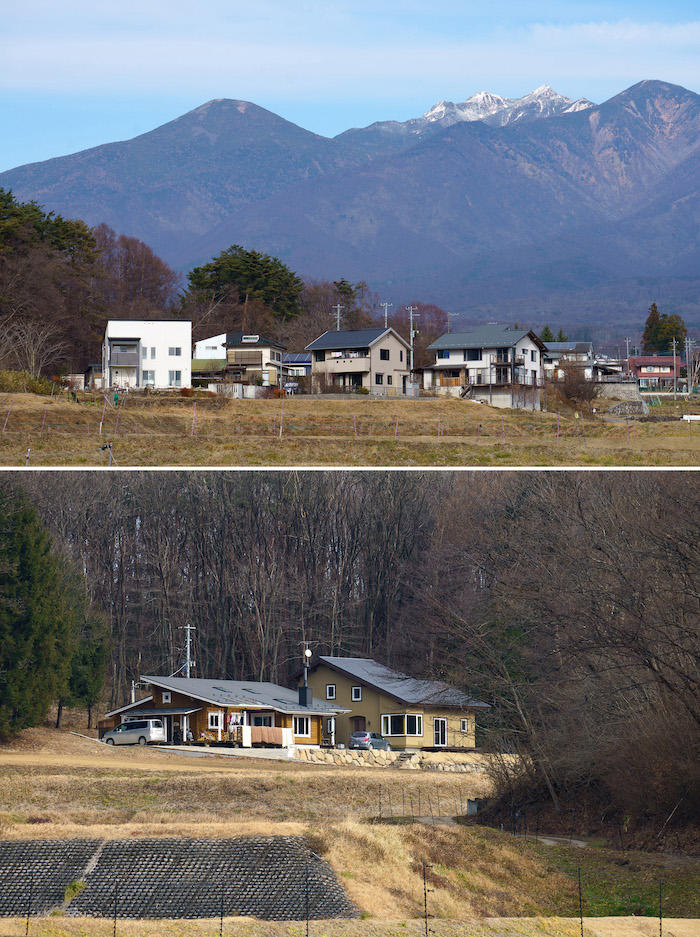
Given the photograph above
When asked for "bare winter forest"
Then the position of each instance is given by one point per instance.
(568, 601)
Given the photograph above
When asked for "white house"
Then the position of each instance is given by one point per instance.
(140, 353)
(495, 364)
(560, 355)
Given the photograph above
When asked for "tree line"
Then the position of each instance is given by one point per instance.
(568, 602)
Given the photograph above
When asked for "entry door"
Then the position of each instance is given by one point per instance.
(440, 732)
(359, 724)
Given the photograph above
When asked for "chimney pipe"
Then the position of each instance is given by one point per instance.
(306, 695)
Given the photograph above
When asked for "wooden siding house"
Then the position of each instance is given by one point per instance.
(409, 713)
(235, 711)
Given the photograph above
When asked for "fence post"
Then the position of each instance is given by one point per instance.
(114, 913)
(29, 901)
(580, 900)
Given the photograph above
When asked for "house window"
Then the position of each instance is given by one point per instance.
(330, 691)
(472, 354)
(389, 379)
(533, 355)
(378, 378)
(384, 354)
(175, 352)
(175, 378)
(320, 355)
(400, 354)
(463, 725)
(263, 720)
(148, 377)
(165, 696)
(153, 352)
(302, 726)
(356, 694)
(214, 722)
(414, 724)
(144, 352)
(393, 724)
(443, 353)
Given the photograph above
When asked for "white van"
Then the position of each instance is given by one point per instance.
(136, 732)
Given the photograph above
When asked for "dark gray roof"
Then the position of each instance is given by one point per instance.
(297, 357)
(242, 693)
(483, 336)
(402, 687)
(358, 338)
(165, 711)
(578, 348)
(235, 340)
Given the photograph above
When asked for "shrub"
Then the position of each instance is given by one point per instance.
(21, 382)
(362, 390)
(187, 391)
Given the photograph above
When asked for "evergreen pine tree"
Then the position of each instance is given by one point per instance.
(561, 337)
(40, 611)
(546, 334)
(650, 337)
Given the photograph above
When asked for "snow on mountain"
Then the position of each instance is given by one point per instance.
(497, 111)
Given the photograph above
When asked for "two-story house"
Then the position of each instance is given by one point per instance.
(408, 712)
(376, 359)
(560, 355)
(147, 353)
(253, 359)
(656, 372)
(496, 364)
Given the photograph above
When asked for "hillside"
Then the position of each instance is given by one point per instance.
(487, 208)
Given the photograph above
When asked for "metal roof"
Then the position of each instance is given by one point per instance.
(115, 712)
(296, 357)
(484, 336)
(244, 693)
(235, 340)
(167, 711)
(399, 685)
(576, 347)
(357, 338)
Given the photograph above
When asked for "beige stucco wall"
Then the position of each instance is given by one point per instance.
(375, 704)
(396, 367)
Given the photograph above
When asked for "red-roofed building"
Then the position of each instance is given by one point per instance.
(655, 372)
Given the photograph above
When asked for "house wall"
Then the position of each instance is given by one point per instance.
(374, 704)
(152, 335)
(199, 721)
(208, 348)
(338, 369)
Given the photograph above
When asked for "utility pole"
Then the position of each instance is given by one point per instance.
(411, 315)
(189, 663)
(386, 313)
(674, 368)
(627, 343)
(450, 315)
(337, 310)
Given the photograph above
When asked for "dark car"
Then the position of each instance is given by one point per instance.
(368, 740)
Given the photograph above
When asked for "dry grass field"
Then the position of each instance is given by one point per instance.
(482, 881)
(306, 431)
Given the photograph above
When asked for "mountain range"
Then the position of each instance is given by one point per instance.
(531, 208)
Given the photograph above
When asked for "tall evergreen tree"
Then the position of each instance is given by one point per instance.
(651, 329)
(547, 335)
(40, 610)
(561, 336)
(253, 276)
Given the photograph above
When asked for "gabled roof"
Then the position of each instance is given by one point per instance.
(401, 687)
(357, 338)
(245, 693)
(235, 340)
(123, 709)
(485, 336)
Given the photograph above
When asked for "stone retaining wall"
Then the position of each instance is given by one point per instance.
(428, 761)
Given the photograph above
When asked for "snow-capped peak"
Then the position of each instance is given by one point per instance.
(496, 110)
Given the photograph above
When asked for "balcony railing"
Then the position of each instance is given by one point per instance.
(124, 359)
(245, 358)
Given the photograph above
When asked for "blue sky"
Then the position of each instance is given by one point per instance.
(79, 73)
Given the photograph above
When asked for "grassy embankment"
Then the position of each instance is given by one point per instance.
(357, 431)
(58, 786)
